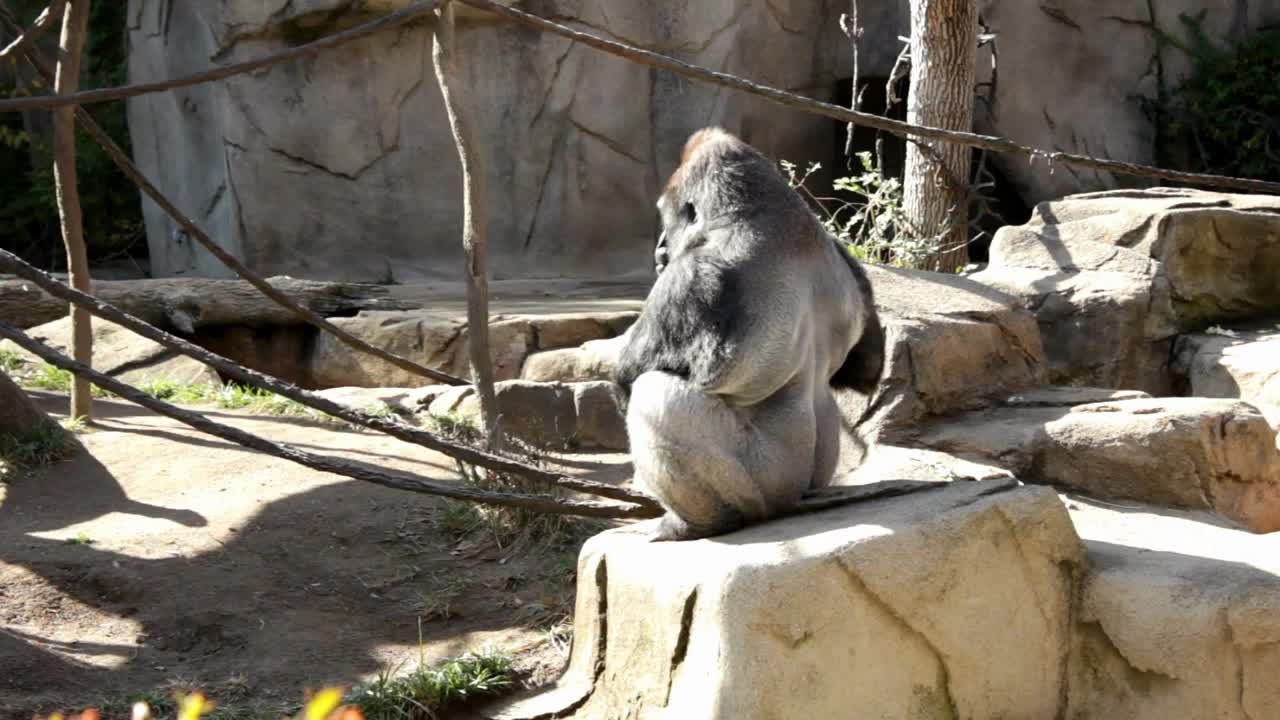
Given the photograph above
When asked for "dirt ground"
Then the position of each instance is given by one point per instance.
(159, 557)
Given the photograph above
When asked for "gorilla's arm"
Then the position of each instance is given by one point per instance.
(863, 365)
(690, 325)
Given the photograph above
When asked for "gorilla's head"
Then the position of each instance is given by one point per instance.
(720, 180)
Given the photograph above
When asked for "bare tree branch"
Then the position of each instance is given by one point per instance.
(415, 436)
(475, 220)
(325, 463)
(852, 30)
(47, 19)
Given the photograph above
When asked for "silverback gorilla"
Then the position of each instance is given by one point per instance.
(756, 313)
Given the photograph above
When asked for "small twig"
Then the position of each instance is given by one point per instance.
(849, 24)
(324, 463)
(47, 19)
(901, 66)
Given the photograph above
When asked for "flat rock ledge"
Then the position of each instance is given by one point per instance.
(1195, 453)
(950, 602)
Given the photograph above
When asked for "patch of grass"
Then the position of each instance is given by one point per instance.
(44, 444)
(74, 425)
(509, 527)
(81, 538)
(231, 396)
(173, 392)
(454, 426)
(10, 361)
(55, 379)
(427, 692)
(440, 602)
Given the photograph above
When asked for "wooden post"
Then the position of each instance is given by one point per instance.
(475, 221)
(936, 181)
(70, 50)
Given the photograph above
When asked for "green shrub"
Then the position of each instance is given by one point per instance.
(868, 215)
(1224, 116)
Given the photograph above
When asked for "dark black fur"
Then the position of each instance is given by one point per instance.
(689, 326)
(865, 362)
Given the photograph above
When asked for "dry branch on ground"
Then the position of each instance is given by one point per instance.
(326, 463)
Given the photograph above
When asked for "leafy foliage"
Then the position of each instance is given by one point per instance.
(425, 692)
(873, 224)
(110, 204)
(1226, 113)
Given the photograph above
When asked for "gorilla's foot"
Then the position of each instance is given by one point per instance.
(670, 527)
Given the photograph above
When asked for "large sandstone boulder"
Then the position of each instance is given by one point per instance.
(950, 343)
(1114, 276)
(1217, 455)
(356, 144)
(950, 602)
(550, 415)
(1178, 617)
(594, 360)
(1218, 252)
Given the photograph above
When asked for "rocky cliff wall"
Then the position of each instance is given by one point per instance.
(341, 166)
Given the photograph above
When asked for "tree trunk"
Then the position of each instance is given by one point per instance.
(457, 102)
(74, 25)
(935, 185)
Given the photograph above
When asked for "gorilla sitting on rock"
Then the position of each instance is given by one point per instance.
(756, 313)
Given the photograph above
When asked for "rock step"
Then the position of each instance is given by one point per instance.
(1178, 617)
(1242, 363)
(972, 599)
(1197, 453)
(1114, 276)
(555, 416)
(441, 341)
(953, 602)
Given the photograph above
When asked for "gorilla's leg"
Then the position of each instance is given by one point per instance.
(716, 468)
(826, 453)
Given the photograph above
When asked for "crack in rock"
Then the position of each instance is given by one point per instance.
(860, 586)
(682, 641)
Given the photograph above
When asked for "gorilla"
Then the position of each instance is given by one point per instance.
(756, 313)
